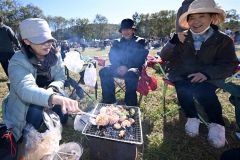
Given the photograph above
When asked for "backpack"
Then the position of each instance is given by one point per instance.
(8, 147)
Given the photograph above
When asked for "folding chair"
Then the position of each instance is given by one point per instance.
(151, 62)
(166, 84)
(149, 82)
(232, 88)
(119, 85)
(77, 89)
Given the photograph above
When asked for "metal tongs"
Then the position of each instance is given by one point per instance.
(92, 117)
(85, 113)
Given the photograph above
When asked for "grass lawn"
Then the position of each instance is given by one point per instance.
(163, 127)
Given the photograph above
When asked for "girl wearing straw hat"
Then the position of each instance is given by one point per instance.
(197, 56)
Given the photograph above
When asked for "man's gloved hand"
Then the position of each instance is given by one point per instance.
(122, 70)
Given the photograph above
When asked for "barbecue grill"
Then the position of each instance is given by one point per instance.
(133, 134)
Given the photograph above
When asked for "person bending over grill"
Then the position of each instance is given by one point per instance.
(36, 74)
(127, 56)
(196, 57)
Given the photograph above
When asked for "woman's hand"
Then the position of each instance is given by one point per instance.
(197, 77)
(68, 105)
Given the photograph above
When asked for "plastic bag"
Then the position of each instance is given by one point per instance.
(39, 145)
(90, 75)
(7, 143)
(69, 151)
(73, 61)
(45, 146)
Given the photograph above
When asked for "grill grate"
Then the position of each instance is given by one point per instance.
(133, 134)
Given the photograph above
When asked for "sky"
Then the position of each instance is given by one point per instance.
(113, 10)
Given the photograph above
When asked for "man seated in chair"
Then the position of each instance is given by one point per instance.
(127, 56)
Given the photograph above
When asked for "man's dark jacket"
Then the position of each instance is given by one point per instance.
(7, 38)
(130, 53)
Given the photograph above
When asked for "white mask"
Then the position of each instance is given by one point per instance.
(200, 33)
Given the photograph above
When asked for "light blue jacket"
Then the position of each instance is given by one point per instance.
(24, 90)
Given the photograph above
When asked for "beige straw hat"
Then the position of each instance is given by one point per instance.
(203, 6)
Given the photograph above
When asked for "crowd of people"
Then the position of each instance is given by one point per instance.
(199, 58)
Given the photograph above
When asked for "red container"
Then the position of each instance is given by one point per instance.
(101, 61)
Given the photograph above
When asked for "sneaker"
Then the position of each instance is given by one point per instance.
(192, 127)
(216, 135)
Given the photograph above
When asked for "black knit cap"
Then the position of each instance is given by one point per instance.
(127, 24)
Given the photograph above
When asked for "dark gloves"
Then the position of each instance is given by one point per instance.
(174, 39)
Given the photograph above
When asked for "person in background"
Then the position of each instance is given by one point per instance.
(196, 57)
(228, 32)
(127, 56)
(237, 37)
(7, 39)
(36, 75)
(83, 43)
(64, 48)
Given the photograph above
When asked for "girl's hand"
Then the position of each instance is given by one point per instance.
(182, 36)
(197, 77)
(122, 70)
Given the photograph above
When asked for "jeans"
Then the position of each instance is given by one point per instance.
(205, 95)
(107, 75)
(35, 117)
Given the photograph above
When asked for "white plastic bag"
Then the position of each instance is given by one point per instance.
(45, 146)
(90, 75)
(69, 151)
(73, 61)
(39, 145)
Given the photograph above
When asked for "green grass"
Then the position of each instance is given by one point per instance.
(163, 127)
(96, 52)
